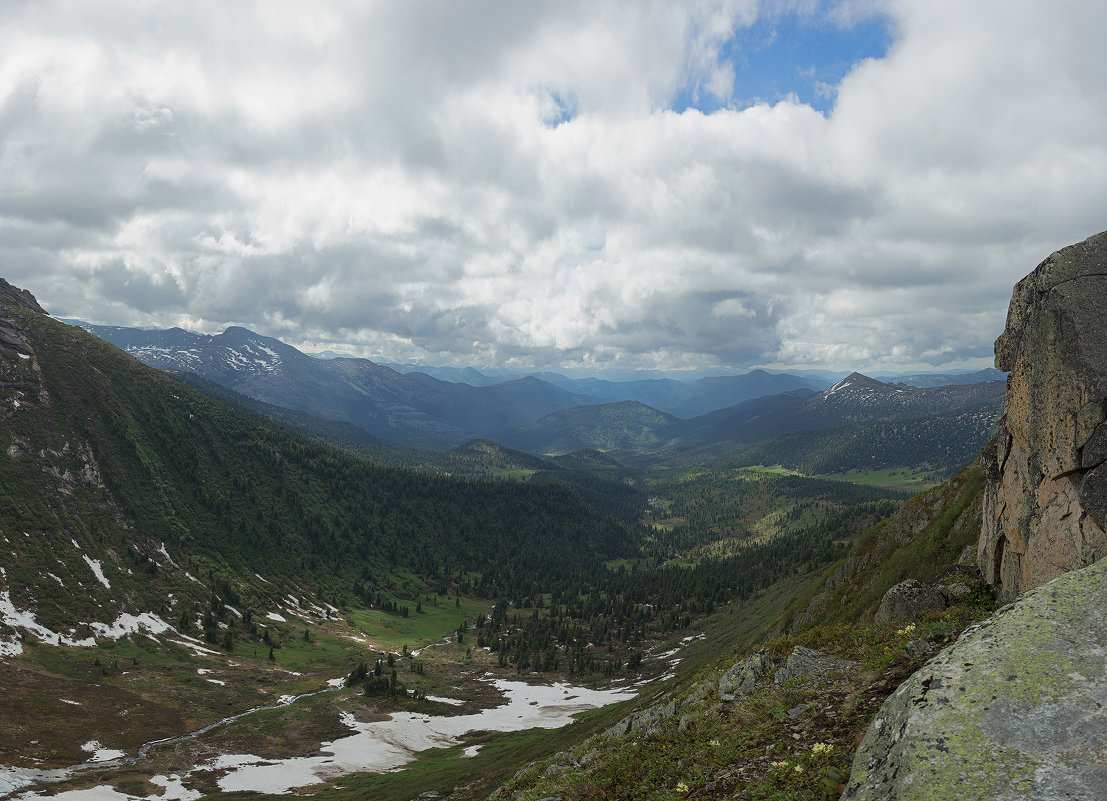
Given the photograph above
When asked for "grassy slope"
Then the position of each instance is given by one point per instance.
(789, 741)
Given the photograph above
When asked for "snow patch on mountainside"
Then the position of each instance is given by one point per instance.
(97, 570)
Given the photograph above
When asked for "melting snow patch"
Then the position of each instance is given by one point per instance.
(18, 618)
(337, 682)
(275, 616)
(198, 649)
(165, 553)
(24, 356)
(99, 753)
(217, 681)
(12, 647)
(73, 703)
(441, 700)
(127, 623)
(471, 751)
(174, 788)
(388, 744)
(94, 566)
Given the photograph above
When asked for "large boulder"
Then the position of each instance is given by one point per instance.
(908, 600)
(1016, 708)
(806, 663)
(1045, 507)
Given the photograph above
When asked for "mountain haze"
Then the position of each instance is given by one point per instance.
(414, 408)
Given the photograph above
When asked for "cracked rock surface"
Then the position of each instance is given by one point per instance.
(1045, 506)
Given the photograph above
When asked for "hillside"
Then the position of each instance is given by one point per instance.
(176, 559)
(624, 427)
(939, 444)
(122, 472)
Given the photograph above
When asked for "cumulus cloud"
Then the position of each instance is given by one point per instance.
(508, 183)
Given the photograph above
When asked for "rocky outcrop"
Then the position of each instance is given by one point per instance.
(809, 664)
(742, 678)
(908, 600)
(1014, 709)
(20, 296)
(11, 332)
(1045, 507)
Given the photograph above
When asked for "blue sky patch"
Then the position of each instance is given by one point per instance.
(790, 53)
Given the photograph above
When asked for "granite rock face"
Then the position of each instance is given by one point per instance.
(1045, 505)
(1015, 709)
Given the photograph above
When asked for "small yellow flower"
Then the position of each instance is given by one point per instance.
(682, 788)
(908, 629)
(799, 768)
(780, 765)
(822, 748)
(714, 743)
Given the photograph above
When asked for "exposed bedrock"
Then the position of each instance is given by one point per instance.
(1045, 505)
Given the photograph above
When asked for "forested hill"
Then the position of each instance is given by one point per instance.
(130, 488)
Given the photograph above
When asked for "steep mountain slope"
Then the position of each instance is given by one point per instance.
(126, 493)
(415, 408)
(940, 444)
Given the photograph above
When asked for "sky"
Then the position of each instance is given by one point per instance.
(698, 185)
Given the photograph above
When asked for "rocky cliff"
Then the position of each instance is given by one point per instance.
(1045, 507)
(1015, 708)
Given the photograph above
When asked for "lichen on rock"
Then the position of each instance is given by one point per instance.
(1016, 708)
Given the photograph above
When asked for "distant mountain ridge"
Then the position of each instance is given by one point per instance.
(633, 431)
(942, 379)
(416, 409)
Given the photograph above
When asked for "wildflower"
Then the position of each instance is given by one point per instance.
(822, 748)
(714, 743)
(780, 765)
(799, 769)
(682, 788)
(908, 629)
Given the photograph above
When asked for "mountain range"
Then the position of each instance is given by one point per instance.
(959, 418)
(548, 413)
